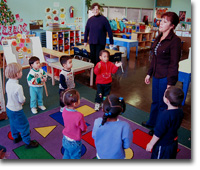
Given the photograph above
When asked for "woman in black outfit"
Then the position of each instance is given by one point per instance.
(97, 28)
(166, 52)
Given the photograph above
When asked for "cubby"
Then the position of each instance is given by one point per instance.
(63, 41)
(144, 39)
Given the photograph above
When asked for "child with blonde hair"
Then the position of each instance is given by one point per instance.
(19, 124)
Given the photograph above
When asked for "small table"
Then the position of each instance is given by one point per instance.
(78, 65)
(184, 76)
(125, 43)
(112, 52)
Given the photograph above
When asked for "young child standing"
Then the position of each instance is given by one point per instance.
(74, 124)
(165, 139)
(36, 78)
(103, 71)
(66, 76)
(15, 100)
(110, 134)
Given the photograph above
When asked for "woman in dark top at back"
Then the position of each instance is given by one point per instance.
(97, 28)
(166, 52)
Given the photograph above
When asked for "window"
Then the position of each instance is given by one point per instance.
(133, 14)
(149, 13)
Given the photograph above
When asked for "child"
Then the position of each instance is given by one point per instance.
(110, 134)
(74, 125)
(165, 138)
(15, 95)
(103, 71)
(36, 78)
(66, 76)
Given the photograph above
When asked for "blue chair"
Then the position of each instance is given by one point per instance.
(77, 53)
(116, 57)
(85, 55)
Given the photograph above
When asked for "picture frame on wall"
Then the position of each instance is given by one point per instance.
(163, 3)
(182, 15)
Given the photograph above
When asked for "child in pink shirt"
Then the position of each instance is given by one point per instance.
(74, 125)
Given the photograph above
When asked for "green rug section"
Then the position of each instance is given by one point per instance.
(33, 153)
(52, 101)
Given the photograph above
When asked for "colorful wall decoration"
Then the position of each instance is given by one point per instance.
(10, 24)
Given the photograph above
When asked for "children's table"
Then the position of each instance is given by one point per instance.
(78, 65)
(184, 76)
(125, 43)
(112, 52)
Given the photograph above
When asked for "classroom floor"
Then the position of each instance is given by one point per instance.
(131, 86)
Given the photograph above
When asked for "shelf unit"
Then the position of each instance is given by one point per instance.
(63, 41)
(144, 39)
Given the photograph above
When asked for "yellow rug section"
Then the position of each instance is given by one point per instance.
(44, 131)
(85, 110)
(129, 153)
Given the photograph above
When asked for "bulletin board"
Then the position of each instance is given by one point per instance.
(20, 50)
(163, 3)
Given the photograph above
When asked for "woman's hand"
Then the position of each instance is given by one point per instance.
(85, 44)
(147, 79)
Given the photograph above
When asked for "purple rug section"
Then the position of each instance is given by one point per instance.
(52, 143)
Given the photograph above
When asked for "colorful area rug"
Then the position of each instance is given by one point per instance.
(46, 128)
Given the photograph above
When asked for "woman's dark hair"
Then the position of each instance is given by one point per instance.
(104, 51)
(95, 4)
(172, 17)
(64, 59)
(113, 106)
(33, 59)
(68, 97)
(175, 95)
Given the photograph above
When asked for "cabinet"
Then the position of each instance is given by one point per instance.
(144, 39)
(63, 41)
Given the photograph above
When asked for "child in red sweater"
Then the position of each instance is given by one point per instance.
(74, 125)
(103, 71)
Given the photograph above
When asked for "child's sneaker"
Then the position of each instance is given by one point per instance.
(34, 110)
(16, 140)
(32, 144)
(42, 107)
(97, 106)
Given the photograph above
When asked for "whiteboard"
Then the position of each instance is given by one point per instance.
(13, 56)
(118, 13)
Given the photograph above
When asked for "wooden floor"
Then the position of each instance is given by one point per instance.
(131, 86)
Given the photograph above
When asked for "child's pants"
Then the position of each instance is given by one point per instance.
(103, 90)
(36, 94)
(72, 149)
(19, 124)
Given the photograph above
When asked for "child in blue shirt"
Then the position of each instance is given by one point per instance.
(165, 139)
(110, 134)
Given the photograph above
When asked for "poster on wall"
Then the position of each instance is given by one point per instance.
(160, 11)
(182, 15)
